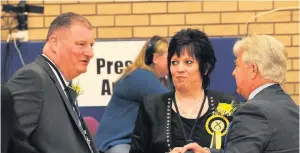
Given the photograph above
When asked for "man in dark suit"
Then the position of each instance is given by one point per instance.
(45, 104)
(7, 119)
(269, 121)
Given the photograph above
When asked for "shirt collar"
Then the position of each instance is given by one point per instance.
(66, 82)
(259, 89)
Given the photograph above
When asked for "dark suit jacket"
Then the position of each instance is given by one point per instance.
(46, 121)
(7, 119)
(268, 123)
(150, 132)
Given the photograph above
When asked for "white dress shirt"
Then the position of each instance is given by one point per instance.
(66, 82)
(257, 90)
(62, 86)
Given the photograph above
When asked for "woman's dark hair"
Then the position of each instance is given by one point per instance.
(197, 45)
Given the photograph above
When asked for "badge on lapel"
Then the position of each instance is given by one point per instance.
(217, 124)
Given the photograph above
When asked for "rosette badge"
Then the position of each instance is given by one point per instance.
(218, 123)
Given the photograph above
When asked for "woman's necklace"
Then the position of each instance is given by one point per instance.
(188, 138)
(190, 113)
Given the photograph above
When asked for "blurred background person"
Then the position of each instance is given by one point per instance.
(140, 79)
(7, 120)
(178, 117)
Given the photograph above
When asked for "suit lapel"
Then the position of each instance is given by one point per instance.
(39, 60)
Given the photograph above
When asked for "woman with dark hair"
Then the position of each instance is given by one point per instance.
(182, 116)
(140, 79)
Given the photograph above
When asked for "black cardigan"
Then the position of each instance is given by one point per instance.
(152, 132)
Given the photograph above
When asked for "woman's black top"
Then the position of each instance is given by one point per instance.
(157, 127)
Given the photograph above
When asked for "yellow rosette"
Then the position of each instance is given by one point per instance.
(217, 124)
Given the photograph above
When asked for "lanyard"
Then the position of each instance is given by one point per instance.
(64, 85)
(189, 139)
(70, 98)
(56, 70)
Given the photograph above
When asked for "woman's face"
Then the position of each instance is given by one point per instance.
(185, 72)
(161, 64)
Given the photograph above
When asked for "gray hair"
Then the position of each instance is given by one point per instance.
(267, 53)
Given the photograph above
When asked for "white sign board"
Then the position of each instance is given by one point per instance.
(110, 58)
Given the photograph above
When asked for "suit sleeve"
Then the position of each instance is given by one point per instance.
(141, 136)
(7, 119)
(249, 131)
(27, 94)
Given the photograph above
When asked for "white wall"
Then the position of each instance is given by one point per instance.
(112, 57)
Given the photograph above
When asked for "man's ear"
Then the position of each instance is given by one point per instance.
(54, 43)
(254, 70)
(155, 58)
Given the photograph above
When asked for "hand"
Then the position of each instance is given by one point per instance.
(192, 146)
(196, 148)
(178, 150)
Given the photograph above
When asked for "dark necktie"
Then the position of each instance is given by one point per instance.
(72, 95)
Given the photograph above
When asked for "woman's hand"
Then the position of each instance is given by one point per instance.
(178, 150)
(192, 146)
(196, 148)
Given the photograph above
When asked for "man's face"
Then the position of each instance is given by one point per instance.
(242, 77)
(75, 49)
